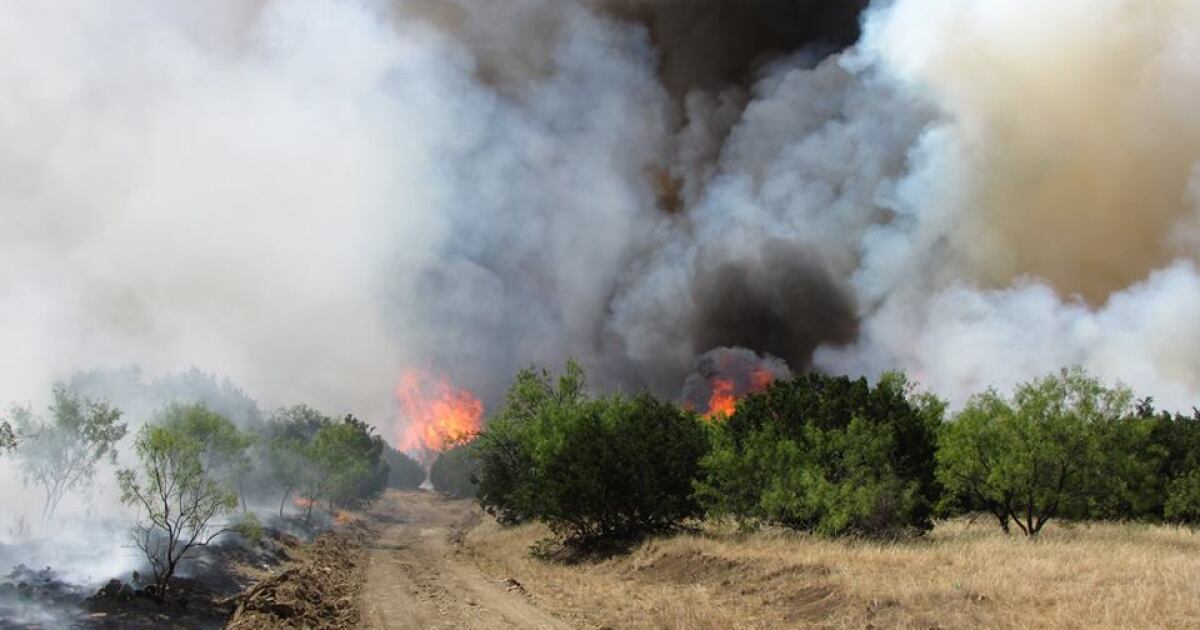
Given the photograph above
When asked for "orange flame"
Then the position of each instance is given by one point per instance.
(723, 401)
(341, 518)
(760, 380)
(302, 502)
(437, 413)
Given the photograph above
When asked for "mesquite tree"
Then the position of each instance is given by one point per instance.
(285, 455)
(223, 448)
(348, 459)
(60, 454)
(180, 500)
(1037, 455)
(8, 439)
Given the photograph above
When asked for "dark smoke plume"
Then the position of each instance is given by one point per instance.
(779, 302)
(712, 44)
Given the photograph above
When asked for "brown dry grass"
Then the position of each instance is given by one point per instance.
(962, 575)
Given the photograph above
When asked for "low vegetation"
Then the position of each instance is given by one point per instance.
(832, 456)
(455, 473)
(198, 463)
(404, 472)
(828, 455)
(592, 469)
(964, 573)
(821, 465)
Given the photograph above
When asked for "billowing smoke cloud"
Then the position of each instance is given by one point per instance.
(777, 302)
(310, 195)
(1048, 215)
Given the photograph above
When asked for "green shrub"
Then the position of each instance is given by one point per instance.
(505, 450)
(321, 460)
(1183, 499)
(828, 455)
(609, 468)
(348, 461)
(404, 472)
(249, 528)
(1174, 451)
(455, 472)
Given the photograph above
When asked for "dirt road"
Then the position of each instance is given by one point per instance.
(414, 581)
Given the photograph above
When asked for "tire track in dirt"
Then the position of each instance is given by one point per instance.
(414, 581)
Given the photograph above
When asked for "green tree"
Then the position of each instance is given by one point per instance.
(592, 469)
(1126, 482)
(60, 454)
(8, 439)
(1032, 457)
(826, 454)
(223, 448)
(286, 449)
(179, 499)
(349, 465)
(1183, 499)
(505, 452)
(404, 472)
(455, 473)
(619, 467)
(1172, 452)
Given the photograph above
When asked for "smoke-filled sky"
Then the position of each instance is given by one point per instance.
(311, 195)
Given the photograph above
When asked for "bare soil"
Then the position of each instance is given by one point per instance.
(418, 579)
(419, 561)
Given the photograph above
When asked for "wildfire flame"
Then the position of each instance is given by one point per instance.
(725, 393)
(435, 412)
(722, 402)
(724, 376)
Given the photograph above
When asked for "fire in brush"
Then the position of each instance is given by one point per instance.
(434, 414)
(725, 375)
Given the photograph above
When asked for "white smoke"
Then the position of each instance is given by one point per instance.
(1047, 218)
(310, 195)
(307, 196)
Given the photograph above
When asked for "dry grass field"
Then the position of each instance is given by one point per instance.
(963, 575)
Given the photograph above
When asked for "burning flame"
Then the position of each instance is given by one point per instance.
(722, 402)
(302, 502)
(436, 413)
(725, 392)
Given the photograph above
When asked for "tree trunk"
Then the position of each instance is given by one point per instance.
(1003, 518)
(286, 493)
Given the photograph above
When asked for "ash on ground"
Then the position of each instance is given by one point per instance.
(201, 597)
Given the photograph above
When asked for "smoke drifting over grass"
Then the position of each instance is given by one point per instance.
(311, 195)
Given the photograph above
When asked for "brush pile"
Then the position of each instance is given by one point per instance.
(319, 590)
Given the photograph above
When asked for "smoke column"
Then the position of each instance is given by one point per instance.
(309, 196)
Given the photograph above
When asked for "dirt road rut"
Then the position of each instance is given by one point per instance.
(414, 581)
